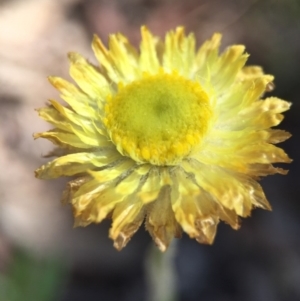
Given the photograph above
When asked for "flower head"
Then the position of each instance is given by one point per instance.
(169, 135)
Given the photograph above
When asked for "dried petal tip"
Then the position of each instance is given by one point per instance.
(162, 247)
(121, 241)
(207, 229)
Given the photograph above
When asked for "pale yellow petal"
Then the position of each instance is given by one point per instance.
(76, 163)
(171, 56)
(229, 216)
(80, 102)
(103, 56)
(63, 139)
(148, 61)
(234, 191)
(152, 186)
(88, 78)
(120, 61)
(87, 192)
(160, 220)
(210, 65)
(127, 217)
(264, 153)
(51, 115)
(208, 53)
(93, 208)
(85, 130)
(122, 168)
(194, 211)
(262, 114)
(277, 136)
(236, 150)
(251, 73)
(123, 57)
(72, 187)
(101, 199)
(228, 64)
(241, 96)
(99, 195)
(179, 52)
(133, 181)
(70, 114)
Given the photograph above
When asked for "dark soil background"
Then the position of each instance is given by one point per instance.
(260, 262)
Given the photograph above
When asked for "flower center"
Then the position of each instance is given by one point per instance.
(158, 119)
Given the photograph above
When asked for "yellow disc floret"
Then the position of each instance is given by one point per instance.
(158, 119)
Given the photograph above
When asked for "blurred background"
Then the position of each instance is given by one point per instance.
(42, 258)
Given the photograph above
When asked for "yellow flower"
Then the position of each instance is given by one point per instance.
(169, 135)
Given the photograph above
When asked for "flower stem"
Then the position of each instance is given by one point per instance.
(161, 274)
